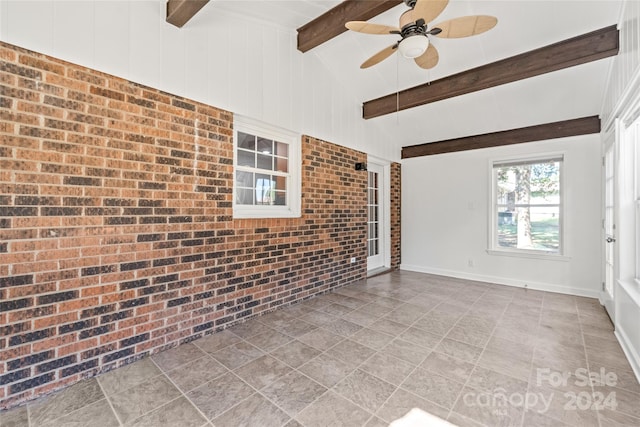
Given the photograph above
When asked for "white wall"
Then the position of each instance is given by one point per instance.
(236, 63)
(445, 209)
(622, 101)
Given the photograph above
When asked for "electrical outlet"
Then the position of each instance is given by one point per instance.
(353, 260)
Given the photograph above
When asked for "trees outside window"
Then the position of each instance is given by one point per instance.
(528, 205)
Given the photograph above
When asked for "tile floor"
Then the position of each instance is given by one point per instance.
(471, 353)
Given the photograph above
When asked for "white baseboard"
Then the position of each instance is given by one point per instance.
(549, 287)
(628, 320)
(632, 356)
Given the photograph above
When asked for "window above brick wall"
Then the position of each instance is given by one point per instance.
(266, 171)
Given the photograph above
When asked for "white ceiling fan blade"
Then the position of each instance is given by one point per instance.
(380, 56)
(429, 58)
(370, 28)
(465, 26)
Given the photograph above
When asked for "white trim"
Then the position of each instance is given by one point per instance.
(626, 102)
(539, 286)
(294, 140)
(385, 192)
(492, 247)
(529, 254)
(625, 341)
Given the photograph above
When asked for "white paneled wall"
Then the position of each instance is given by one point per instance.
(229, 61)
(622, 102)
(625, 71)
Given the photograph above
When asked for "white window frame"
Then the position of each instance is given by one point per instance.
(493, 247)
(292, 207)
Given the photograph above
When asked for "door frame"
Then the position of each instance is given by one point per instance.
(610, 142)
(385, 212)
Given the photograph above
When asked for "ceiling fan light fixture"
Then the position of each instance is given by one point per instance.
(413, 46)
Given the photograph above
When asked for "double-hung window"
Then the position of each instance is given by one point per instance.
(266, 171)
(527, 206)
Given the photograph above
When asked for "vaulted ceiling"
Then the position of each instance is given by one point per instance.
(523, 25)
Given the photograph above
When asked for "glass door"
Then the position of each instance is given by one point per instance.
(375, 220)
(609, 225)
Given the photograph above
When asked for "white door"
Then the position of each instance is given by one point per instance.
(609, 225)
(376, 233)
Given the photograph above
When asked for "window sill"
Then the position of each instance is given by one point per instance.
(542, 256)
(265, 213)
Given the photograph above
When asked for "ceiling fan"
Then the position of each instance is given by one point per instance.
(414, 32)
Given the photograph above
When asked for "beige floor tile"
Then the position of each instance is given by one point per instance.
(388, 368)
(193, 374)
(365, 390)
(293, 392)
(388, 327)
(137, 401)
(262, 371)
(128, 376)
(449, 344)
(438, 389)
(295, 353)
(333, 410)
(350, 351)
(421, 338)
(327, 370)
(15, 417)
(237, 355)
(96, 414)
(171, 359)
(244, 330)
(342, 327)
(468, 335)
(370, 338)
(448, 366)
(253, 411)
(59, 404)
(406, 351)
(480, 408)
(269, 341)
(403, 401)
(459, 350)
(216, 397)
(320, 339)
(218, 341)
(177, 412)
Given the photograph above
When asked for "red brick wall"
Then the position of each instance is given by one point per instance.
(396, 195)
(116, 231)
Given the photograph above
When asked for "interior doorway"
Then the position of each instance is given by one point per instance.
(378, 216)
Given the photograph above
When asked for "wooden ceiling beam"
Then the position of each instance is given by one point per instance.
(574, 127)
(331, 24)
(577, 50)
(181, 11)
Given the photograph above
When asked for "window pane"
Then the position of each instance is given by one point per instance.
(244, 179)
(246, 141)
(265, 162)
(264, 189)
(244, 196)
(280, 198)
(545, 228)
(280, 183)
(282, 165)
(528, 205)
(282, 149)
(265, 146)
(246, 158)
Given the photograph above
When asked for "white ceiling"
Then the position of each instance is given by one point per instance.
(523, 25)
